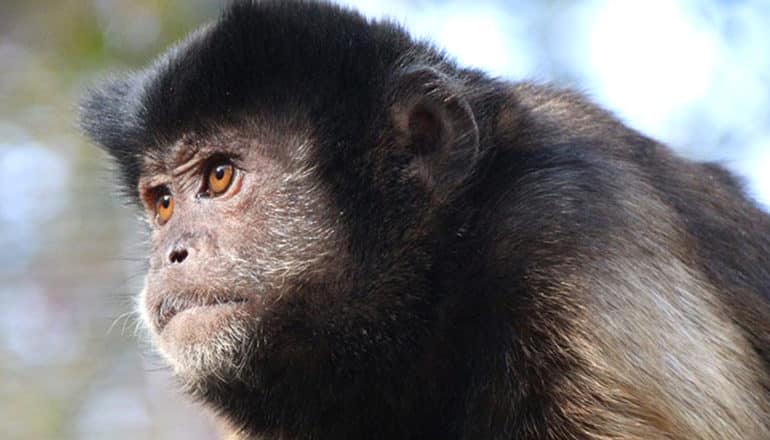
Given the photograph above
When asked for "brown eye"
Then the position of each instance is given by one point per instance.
(219, 178)
(164, 207)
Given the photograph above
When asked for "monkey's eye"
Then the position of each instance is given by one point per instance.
(164, 207)
(219, 178)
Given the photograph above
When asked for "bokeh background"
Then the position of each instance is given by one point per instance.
(695, 74)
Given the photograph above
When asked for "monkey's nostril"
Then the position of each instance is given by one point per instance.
(177, 255)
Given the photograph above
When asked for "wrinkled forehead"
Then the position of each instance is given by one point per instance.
(287, 140)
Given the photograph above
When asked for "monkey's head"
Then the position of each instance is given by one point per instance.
(298, 178)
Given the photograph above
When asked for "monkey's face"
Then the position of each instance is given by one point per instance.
(242, 234)
(275, 260)
(280, 258)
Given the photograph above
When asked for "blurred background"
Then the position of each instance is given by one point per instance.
(694, 74)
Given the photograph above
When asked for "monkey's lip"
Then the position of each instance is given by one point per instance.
(171, 307)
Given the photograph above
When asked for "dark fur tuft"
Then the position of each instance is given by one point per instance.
(257, 55)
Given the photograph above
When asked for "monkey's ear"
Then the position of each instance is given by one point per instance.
(434, 122)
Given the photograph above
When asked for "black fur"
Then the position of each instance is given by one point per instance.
(258, 57)
(547, 273)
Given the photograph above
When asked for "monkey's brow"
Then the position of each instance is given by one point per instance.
(181, 154)
(176, 160)
(184, 167)
(183, 157)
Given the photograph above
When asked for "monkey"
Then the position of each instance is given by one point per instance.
(353, 236)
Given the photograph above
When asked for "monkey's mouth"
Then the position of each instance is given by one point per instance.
(170, 307)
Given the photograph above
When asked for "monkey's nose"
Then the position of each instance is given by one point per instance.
(178, 254)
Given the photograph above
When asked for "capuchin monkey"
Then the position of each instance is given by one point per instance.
(353, 237)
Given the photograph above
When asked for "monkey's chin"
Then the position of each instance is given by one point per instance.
(209, 340)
